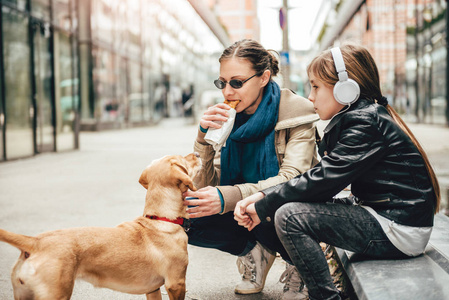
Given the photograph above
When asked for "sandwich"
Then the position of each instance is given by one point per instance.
(232, 103)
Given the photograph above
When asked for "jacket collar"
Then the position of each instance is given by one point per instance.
(294, 110)
(336, 119)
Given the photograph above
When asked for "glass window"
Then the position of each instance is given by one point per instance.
(121, 39)
(104, 85)
(43, 96)
(41, 9)
(102, 21)
(133, 24)
(2, 117)
(122, 88)
(61, 14)
(65, 98)
(136, 97)
(16, 55)
(21, 4)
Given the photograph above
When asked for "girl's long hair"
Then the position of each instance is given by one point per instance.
(362, 68)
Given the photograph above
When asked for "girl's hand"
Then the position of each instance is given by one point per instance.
(245, 211)
(215, 116)
(207, 203)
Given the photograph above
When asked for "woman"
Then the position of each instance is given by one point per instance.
(273, 140)
(366, 144)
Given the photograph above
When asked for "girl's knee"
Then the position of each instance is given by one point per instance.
(285, 213)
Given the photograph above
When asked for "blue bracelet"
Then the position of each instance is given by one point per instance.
(221, 200)
(203, 130)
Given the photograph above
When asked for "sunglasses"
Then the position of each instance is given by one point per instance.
(234, 83)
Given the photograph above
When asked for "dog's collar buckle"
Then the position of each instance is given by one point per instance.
(185, 223)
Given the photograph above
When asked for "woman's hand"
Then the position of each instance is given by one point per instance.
(214, 116)
(245, 211)
(207, 204)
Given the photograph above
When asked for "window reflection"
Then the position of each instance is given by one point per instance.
(155, 50)
(20, 4)
(65, 98)
(43, 76)
(104, 78)
(41, 9)
(2, 119)
(135, 97)
(61, 14)
(16, 53)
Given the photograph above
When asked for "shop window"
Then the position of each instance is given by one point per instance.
(66, 100)
(41, 9)
(20, 4)
(62, 14)
(104, 80)
(2, 118)
(18, 108)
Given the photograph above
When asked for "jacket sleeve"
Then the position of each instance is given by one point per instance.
(300, 155)
(358, 148)
(209, 174)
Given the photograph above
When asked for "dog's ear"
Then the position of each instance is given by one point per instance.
(182, 175)
(143, 180)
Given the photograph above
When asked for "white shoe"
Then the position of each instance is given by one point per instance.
(294, 288)
(254, 268)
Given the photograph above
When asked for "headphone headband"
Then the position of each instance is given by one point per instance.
(346, 91)
(338, 59)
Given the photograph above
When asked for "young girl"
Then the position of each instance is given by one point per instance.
(273, 140)
(366, 144)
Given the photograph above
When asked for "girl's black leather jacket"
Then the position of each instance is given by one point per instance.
(363, 146)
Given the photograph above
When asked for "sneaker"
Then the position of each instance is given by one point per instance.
(254, 268)
(294, 288)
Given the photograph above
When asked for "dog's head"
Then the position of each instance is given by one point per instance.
(172, 170)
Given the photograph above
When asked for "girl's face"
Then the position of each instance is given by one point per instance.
(250, 94)
(322, 97)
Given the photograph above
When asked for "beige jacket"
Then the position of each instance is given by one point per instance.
(295, 149)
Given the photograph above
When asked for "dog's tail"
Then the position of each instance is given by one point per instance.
(22, 242)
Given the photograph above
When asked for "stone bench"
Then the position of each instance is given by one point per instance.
(422, 277)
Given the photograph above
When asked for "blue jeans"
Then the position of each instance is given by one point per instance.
(302, 226)
(222, 232)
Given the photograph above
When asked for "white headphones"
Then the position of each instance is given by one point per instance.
(346, 91)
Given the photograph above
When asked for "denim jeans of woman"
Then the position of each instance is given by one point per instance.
(222, 232)
(302, 226)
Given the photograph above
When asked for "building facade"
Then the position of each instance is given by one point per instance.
(141, 57)
(407, 40)
(71, 65)
(239, 17)
(38, 77)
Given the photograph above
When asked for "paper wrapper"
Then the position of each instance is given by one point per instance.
(217, 136)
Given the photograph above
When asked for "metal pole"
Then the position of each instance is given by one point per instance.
(285, 69)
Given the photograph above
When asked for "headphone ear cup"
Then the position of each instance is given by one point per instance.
(346, 92)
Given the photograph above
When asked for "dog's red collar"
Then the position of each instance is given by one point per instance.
(185, 223)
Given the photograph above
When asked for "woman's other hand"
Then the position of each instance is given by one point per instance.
(245, 211)
(207, 202)
(214, 116)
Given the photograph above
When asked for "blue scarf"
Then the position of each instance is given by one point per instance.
(258, 129)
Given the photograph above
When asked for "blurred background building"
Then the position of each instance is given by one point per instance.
(74, 65)
(408, 41)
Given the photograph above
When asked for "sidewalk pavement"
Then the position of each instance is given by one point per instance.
(98, 186)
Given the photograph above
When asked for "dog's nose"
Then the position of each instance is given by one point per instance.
(196, 154)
